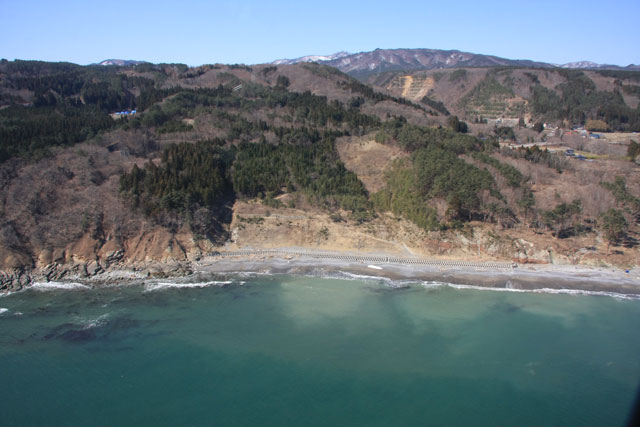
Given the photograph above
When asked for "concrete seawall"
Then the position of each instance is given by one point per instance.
(501, 266)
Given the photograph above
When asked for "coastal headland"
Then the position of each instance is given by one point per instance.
(460, 167)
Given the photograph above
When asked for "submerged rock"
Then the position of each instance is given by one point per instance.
(78, 335)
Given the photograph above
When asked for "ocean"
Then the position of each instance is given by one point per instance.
(326, 350)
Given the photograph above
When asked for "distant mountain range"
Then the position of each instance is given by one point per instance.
(380, 60)
(364, 64)
(588, 65)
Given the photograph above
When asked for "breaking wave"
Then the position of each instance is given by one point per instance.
(149, 287)
(47, 286)
(543, 291)
(345, 275)
(581, 292)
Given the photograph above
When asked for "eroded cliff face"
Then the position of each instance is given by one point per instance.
(156, 252)
(258, 226)
(153, 252)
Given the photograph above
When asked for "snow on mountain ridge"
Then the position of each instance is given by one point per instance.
(311, 58)
(120, 62)
(581, 64)
(380, 60)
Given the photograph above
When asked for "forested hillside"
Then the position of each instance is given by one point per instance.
(560, 96)
(81, 179)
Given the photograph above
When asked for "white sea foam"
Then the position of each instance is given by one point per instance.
(542, 291)
(168, 285)
(354, 276)
(48, 286)
(3, 310)
(432, 284)
(92, 323)
(485, 288)
(247, 274)
(582, 292)
(345, 275)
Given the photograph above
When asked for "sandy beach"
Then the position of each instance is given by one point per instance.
(567, 278)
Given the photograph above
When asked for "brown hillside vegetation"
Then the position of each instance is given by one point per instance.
(65, 210)
(451, 86)
(368, 159)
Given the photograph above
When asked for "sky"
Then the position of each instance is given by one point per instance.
(196, 32)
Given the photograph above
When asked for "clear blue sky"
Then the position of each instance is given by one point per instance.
(199, 32)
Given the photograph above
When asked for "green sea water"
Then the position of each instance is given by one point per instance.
(308, 351)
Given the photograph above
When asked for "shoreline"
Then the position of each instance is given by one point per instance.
(483, 275)
(524, 278)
